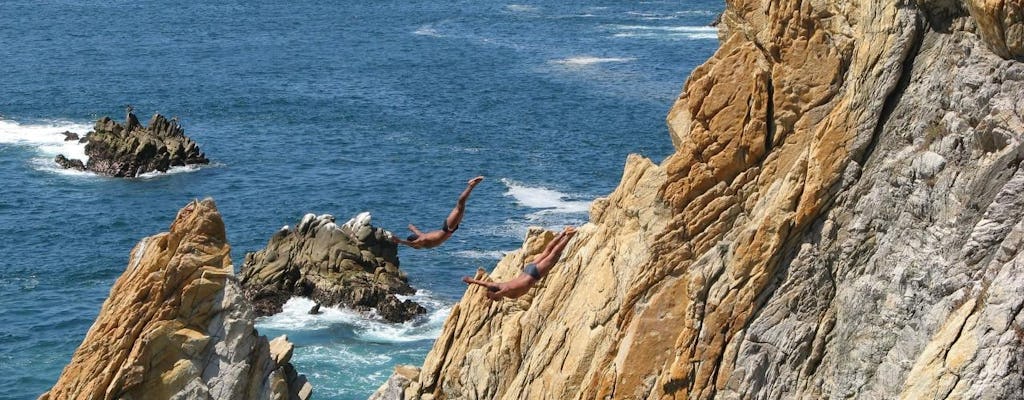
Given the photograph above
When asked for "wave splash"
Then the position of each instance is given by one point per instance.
(367, 326)
(545, 198)
(47, 138)
(551, 209)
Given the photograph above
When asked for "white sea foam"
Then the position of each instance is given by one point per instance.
(482, 254)
(295, 316)
(664, 32)
(344, 355)
(427, 30)
(523, 8)
(181, 169)
(696, 12)
(545, 198)
(670, 36)
(367, 326)
(47, 138)
(580, 61)
(646, 16)
(655, 28)
(552, 209)
(691, 29)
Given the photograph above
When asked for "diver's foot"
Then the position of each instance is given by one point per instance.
(476, 181)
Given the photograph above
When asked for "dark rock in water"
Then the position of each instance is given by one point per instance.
(66, 163)
(84, 139)
(69, 136)
(717, 20)
(131, 150)
(315, 310)
(393, 309)
(353, 265)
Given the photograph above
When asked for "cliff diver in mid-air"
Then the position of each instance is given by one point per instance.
(420, 240)
(533, 272)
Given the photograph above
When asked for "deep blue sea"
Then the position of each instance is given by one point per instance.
(319, 107)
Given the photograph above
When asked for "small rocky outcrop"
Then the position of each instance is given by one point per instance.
(131, 149)
(395, 386)
(353, 265)
(176, 326)
(66, 163)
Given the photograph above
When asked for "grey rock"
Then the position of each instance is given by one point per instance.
(66, 163)
(131, 150)
(353, 265)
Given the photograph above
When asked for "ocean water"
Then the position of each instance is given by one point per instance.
(325, 107)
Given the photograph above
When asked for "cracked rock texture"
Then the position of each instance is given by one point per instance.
(353, 265)
(177, 327)
(842, 218)
(129, 150)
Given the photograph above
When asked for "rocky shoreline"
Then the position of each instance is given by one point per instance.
(353, 265)
(131, 149)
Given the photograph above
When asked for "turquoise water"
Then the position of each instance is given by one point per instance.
(304, 106)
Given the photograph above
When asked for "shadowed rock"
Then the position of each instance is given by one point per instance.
(132, 149)
(353, 265)
(65, 163)
(176, 326)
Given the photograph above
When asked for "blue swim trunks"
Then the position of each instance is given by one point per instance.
(531, 270)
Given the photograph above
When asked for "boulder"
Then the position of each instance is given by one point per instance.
(65, 163)
(353, 265)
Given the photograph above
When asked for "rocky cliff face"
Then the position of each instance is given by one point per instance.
(176, 327)
(354, 265)
(128, 150)
(842, 217)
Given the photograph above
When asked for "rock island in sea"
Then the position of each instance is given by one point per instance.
(129, 150)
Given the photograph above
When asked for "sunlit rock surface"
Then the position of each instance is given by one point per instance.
(176, 327)
(842, 218)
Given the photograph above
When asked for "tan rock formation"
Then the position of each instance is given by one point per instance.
(1001, 25)
(841, 218)
(175, 326)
